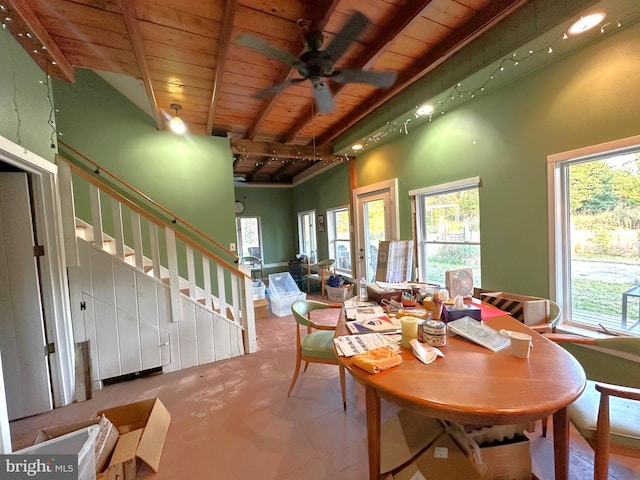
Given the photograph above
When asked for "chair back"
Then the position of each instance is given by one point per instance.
(555, 312)
(613, 360)
(302, 308)
(250, 260)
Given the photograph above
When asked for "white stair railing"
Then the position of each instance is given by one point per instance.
(219, 285)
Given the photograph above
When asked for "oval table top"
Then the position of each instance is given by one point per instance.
(475, 385)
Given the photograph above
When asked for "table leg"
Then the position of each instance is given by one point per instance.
(561, 443)
(373, 431)
(624, 310)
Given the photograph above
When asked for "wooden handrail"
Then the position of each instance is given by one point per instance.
(136, 208)
(145, 197)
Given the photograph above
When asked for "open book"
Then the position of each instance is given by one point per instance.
(478, 332)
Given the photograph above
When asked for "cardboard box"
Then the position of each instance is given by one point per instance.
(511, 461)
(143, 429)
(78, 442)
(529, 310)
(339, 294)
(260, 308)
(443, 460)
(409, 435)
(105, 440)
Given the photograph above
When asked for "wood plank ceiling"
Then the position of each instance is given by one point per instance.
(187, 53)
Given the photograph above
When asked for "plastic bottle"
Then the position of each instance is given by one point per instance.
(362, 290)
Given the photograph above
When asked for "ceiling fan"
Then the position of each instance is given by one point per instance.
(316, 65)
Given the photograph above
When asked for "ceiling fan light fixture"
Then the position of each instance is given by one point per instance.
(586, 23)
(176, 124)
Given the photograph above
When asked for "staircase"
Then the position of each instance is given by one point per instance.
(148, 292)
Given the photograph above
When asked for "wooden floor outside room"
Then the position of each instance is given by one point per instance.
(232, 420)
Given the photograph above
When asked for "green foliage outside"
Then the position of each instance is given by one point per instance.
(605, 216)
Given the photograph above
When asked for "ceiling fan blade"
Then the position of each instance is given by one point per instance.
(379, 79)
(266, 49)
(323, 97)
(347, 34)
(271, 91)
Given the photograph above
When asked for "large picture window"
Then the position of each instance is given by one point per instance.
(339, 236)
(596, 272)
(448, 229)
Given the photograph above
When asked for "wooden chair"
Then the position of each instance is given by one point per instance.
(320, 272)
(316, 346)
(607, 414)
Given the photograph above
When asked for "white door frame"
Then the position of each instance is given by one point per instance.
(55, 293)
(389, 187)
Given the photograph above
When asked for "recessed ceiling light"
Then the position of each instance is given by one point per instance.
(357, 146)
(586, 23)
(424, 110)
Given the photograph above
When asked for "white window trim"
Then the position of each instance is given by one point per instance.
(444, 188)
(313, 230)
(331, 211)
(447, 187)
(261, 244)
(557, 191)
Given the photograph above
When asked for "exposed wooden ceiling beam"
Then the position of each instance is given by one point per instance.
(24, 11)
(408, 14)
(223, 47)
(319, 22)
(483, 21)
(279, 150)
(135, 37)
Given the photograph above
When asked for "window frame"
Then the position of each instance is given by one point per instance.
(332, 240)
(558, 213)
(420, 234)
(239, 219)
(313, 254)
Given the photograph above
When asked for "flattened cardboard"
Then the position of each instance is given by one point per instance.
(403, 436)
(149, 416)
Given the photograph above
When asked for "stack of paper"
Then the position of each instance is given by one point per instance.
(349, 345)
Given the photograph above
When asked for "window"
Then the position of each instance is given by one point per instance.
(448, 229)
(307, 235)
(249, 237)
(596, 237)
(339, 234)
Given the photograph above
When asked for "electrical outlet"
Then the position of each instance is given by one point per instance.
(232, 247)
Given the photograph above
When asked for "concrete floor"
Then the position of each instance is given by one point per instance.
(232, 420)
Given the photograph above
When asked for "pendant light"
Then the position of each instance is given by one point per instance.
(177, 125)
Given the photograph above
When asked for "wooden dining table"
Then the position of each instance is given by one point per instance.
(474, 385)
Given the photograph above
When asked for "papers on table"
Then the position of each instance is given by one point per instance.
(479, 333)
(363, 310)
(349, 345)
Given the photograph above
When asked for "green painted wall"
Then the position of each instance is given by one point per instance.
(190, 175)
(587, 98)
(327, 190)
(24, 106)
(277, 219)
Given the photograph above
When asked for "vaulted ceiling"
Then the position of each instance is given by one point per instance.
(188, 53)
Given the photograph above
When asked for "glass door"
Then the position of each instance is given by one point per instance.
(376, 216)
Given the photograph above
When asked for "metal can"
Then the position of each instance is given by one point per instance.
(434, 333)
